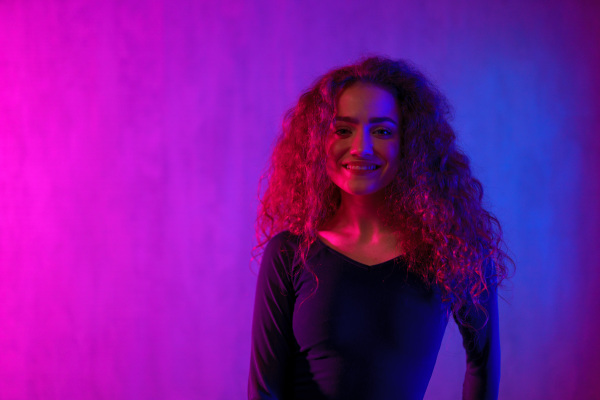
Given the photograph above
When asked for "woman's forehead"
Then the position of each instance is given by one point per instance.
(366, 99)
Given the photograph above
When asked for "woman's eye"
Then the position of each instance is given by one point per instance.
(343, 131)
(383, 132)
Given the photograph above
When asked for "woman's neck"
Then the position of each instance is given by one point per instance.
(360, 217)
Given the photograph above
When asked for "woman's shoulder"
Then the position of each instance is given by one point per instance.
(282, 246)
(279, 259)
(284, 240)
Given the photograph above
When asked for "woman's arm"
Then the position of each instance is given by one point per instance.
(272, 336)
(482, 346)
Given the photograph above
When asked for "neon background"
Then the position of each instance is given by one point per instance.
(133, 134)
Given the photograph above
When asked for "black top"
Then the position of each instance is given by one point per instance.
(362, 332)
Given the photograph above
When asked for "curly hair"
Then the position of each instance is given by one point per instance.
(434, 202)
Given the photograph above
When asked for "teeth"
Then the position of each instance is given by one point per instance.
(361, 167)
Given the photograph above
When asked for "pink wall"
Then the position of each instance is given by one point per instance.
(132, 136)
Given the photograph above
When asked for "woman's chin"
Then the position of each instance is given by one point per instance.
(363, 191)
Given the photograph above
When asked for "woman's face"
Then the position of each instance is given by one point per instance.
(363, 147)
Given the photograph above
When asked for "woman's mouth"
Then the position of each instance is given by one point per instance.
(367, 167)
(358, 169)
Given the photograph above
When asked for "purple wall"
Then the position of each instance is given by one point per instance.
(133, 135)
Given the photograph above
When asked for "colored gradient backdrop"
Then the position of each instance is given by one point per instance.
(133, 135)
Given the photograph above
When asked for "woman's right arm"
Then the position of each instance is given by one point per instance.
(272, 335)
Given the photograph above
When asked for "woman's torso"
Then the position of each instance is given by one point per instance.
(364, 332)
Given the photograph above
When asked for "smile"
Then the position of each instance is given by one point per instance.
(371, 167)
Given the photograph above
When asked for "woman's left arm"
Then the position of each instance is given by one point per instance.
(482, 346)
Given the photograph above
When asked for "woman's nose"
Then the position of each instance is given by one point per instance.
(362, 144)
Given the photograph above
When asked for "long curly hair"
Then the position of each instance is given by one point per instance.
(434, 202)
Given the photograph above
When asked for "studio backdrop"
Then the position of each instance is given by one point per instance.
(133, 135)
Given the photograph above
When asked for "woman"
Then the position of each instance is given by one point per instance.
(375, 233)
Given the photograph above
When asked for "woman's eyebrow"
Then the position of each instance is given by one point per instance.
(382, 119)
(375, 120)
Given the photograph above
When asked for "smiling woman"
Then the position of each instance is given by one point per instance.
(363, 151)
(375, 234)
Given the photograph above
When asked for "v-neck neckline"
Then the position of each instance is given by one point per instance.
(353, 261)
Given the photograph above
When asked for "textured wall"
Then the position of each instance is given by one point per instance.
(132, 136)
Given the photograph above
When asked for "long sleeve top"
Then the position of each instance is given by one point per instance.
(339, 329)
